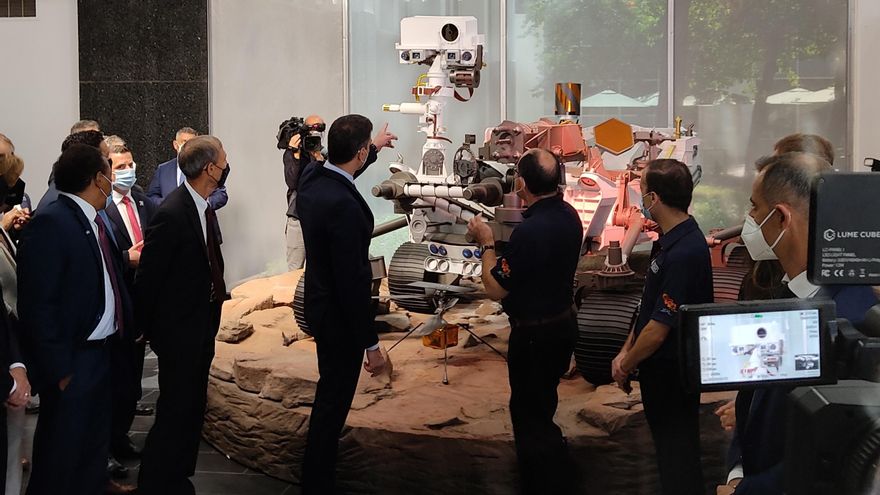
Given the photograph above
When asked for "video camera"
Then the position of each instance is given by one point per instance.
(310, 134)
(833, 426)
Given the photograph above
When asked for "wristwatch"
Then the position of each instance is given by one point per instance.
(487, 247)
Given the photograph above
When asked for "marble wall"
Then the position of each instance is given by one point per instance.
(143, 69)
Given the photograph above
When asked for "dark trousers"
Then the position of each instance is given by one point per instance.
(4, 445)
(72, 439)
(537, 358)
(172, 446)
(128, 367)
(339, 367)
(674, 418)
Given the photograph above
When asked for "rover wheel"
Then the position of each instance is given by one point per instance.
(604, 321)
(407, 266)
(299, 304)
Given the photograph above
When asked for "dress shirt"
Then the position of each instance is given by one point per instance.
(800, 286)
(123, 212)
(330, 166)
(201, 206)
(180, 179)
(107, 324)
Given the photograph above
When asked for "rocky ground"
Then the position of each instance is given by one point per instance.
(407, 431)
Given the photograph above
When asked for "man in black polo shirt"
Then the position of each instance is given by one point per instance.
(534, 279)
(680, 273)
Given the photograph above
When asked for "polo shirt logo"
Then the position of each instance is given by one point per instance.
(669, 303)
(654, 266)
(505, 268)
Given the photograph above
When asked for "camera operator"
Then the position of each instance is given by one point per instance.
(777, 227)
(301, 141)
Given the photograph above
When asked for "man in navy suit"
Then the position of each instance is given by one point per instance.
(129, 212)
(337, 227)
(72, 304)
(169, 177)
(777, 227)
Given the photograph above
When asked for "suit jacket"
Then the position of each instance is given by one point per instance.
(761, 414)
(145, 209)
(337, 227)
(61, 288)
(165, 182)
(172, 285)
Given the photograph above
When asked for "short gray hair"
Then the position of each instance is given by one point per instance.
(85, 125)
(197, 154)
(186, 130)
(788, 178)
(114, 141)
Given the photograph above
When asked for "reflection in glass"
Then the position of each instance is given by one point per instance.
(749, 73)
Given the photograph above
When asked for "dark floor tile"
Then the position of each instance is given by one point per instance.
(217, 463)
(236, 484)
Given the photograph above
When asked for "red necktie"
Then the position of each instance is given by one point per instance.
(111, 271)
(132, 219)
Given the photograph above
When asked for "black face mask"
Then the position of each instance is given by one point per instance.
(223, 176)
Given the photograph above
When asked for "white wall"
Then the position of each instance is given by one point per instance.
(865, 76)
(269, 60)
(40, 86)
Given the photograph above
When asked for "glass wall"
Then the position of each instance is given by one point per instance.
(615, 49)
(749, 73)
(745, 73)
(378, 78)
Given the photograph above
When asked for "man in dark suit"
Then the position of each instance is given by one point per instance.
(129, 212)
(778, 228)
(72, 304)
(337, 226)
(179, 290)
(168, 176)
(90, 137)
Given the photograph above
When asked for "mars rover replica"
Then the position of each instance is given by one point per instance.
(602, 169)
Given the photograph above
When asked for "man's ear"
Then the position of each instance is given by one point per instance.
(786, 215)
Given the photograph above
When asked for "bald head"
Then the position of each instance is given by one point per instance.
(540, 171)
(314, 119)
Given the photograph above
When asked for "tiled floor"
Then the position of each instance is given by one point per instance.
(215, 473)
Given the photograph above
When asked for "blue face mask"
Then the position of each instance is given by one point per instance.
(646, 212)
(125, 179)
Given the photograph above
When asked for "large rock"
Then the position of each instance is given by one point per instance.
(233, 327)
(280, 288)
(407, 432)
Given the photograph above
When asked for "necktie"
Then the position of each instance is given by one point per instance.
(137, 235)
(111, 271)
(218, 285)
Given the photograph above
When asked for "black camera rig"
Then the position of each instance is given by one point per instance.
(310, 134)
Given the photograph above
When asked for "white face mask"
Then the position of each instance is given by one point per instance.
(753, 238)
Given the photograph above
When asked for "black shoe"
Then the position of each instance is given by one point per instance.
(143, 410)
(116, 470)
(126, 450)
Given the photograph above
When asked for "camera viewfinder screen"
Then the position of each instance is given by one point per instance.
(755, 347)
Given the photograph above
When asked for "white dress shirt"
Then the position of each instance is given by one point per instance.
(107, 324)
(180, 179)
(123, 212)
(800, 286)
(201, 206)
